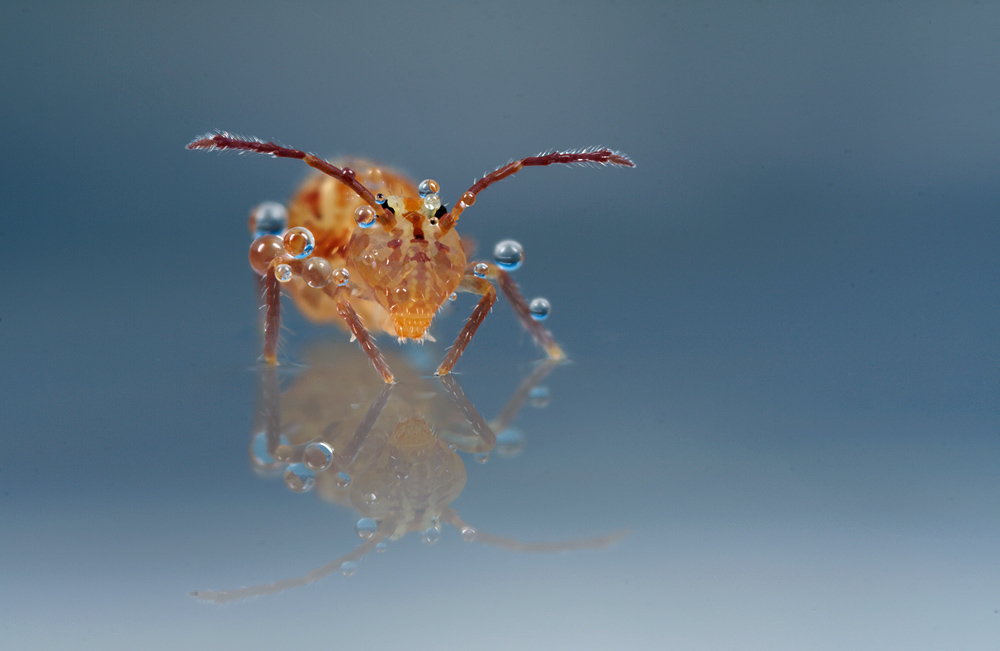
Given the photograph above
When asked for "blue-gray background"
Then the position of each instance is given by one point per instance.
(783, 321)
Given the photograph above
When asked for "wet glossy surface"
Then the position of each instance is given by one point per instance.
(782, 325)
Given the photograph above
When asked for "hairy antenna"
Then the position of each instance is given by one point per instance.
(594, 156)
(224, 140)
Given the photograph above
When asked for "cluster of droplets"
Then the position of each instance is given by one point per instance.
(429, 189)
(290, 248)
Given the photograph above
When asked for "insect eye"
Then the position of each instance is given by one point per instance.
(433, 221)
(441, 212)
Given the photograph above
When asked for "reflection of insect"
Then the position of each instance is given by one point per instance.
(388, 452)
(394, 276)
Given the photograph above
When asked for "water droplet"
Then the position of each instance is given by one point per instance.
(431, 535)
(539, 309)
(539, 397)
(366, 528)
(381, 547)
(403, 470)
(401, 294)
(283, 452)
(510, 442)
(469, 534)
(317, 272)
(452, 296)
(299, 478)
(269, 217)
(481, 269)
(283, 273)
(299, 242)
(468, 198)
(263, 250)
(317, 456)
(509, 255)
(368, 259)
(341, 277)
(428, 186)
(431, 204)
(481, 457)
(258, 451)
(370, 499)
(364, 215)
(348, 568)
(343, 480)
(380, 198)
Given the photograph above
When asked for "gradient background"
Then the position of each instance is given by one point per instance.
(783, 322)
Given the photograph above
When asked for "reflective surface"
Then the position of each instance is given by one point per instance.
(782, 325)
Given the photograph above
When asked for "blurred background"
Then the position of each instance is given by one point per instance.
(782, 323)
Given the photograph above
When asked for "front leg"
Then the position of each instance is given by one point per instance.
(475, 284)
(340, 295)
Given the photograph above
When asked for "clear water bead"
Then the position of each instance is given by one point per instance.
(299, 478)
(469, 534)
(366, 528)
(510, 442)
(343, 480)
(299, 242)
(381, 547)
(317, 272)
(317, 456)
(364, 216)
(539, 397)
(431, 535)
(481, 457)
(539, 309)
(427, 187)
(348, 568)
(481, 269)
(341, 276)
(509, 255)
(269, 218)
(283, 273)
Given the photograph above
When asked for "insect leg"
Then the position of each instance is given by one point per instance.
(361, 333)
(537, 330)
(272, 316)
(476, 285)
(597, 542)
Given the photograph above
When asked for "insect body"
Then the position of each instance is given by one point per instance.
(367, 248)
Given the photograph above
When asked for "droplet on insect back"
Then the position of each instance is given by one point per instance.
(317, 272)
(381, 547)
(539, 397)
(299, 242)
(401, 294)
(283, 273)
(343, 480)
(366, 528)
(269, 218)
(348, 568)
(431, 535)
(263, 250)
(370, 499)
(539, 309)
(427, 187)
(364, 216)
(509, 255)
(341, 277)
(299, 478)
(317, 456)
(481, 269)
(469, 534)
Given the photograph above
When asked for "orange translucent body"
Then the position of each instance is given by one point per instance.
(399, 279)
